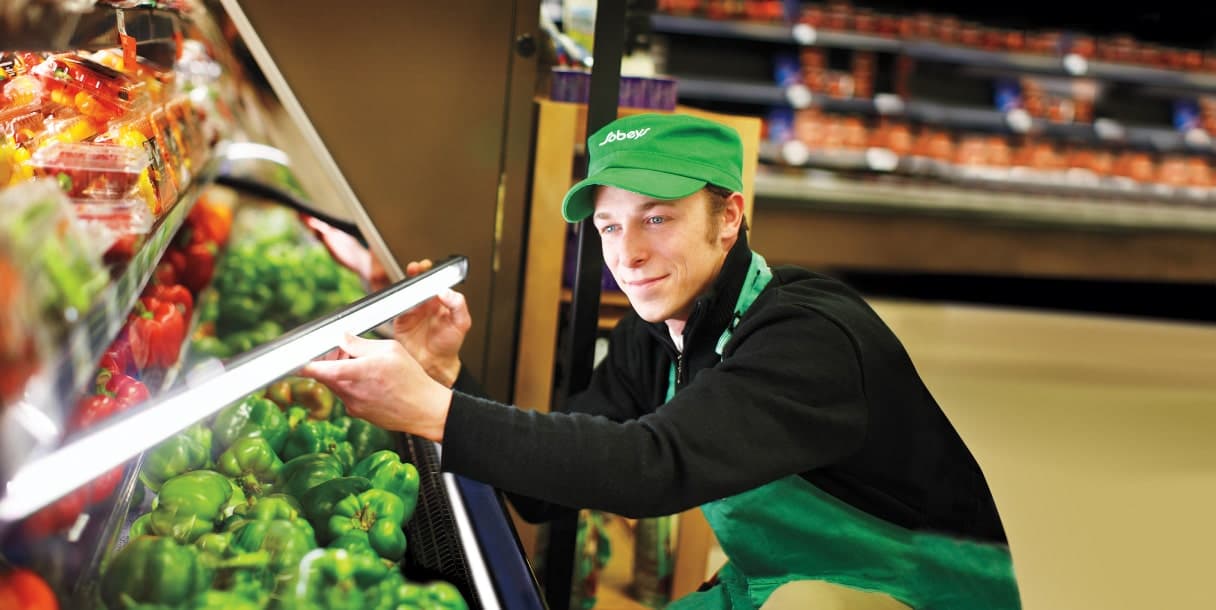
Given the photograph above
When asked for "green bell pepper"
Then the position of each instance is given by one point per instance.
(192, 504)
(302, 473)
(189, 450)
(354, 541)
(319, 437)
(366, 438)
(273, 506)
(238, 313)
(252, 463)
(139, 527)
(243, 572)
(252, 416)
(386, 471)
(444, 595)
(285, 541)
(342, 424)
(208, 306)
(211, 346)
(154, 570)
(319, 501)
(267, 508)
(335, 578)
(224, 600)
(265, 332)
(311, 394)
(215, 544)
(394, 593)
(379, 513)
(239, 342)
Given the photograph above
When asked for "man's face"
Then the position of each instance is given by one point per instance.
(663, 253)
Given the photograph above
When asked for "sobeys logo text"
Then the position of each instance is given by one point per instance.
(618, 135)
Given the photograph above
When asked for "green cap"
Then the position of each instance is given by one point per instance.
(665, 156)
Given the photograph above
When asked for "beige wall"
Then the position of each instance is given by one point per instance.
(1096, 435)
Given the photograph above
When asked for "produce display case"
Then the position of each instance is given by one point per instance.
(135, 204)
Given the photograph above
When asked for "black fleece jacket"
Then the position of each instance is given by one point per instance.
(812, 383)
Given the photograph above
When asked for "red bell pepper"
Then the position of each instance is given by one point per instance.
(165, 274)
(176, 259)
(157, 330)
(177, 294)
(24, 589)
(92, 409)
(128, 391)
(56, 516)
(117, 358)
(200, 266)
(102, 487)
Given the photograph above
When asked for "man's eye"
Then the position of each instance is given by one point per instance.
(656, 220)
(609, 229)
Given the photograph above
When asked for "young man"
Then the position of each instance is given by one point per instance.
(773, 398)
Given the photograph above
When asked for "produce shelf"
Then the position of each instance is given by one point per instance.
(827, 191)
(31, 426)
(1055, 65)
(1102, 131)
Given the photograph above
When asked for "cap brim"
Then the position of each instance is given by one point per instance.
(580, 203)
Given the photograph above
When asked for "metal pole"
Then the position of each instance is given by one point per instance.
(585, 306)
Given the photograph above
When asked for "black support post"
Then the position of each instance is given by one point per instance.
(585, 306)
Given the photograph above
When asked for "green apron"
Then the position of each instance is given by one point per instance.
(789, 530)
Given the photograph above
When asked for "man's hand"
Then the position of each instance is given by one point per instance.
(349, 253)
(380, 382)
(434, 331)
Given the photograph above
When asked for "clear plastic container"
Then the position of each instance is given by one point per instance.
(96, 91)
(19, 347)
(106, 222)
(47, 243)
(87, 170)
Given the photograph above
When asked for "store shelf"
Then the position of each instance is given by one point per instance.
(823, 190)
(770, 32)
(75, 26)
(804, 35)
(1027, 181)
(1102, 131)
(32, 426)
(59, 469)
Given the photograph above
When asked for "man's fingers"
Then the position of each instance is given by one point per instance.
(327, 372)
(457, 307)
(415, 267)
(359, 347)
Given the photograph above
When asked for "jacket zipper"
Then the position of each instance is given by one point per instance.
(679, 369)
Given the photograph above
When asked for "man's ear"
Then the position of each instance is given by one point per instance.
(732, 217)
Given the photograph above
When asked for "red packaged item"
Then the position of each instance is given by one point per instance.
(111, 222)
(96, 91)
(156, 186)
(89, 170)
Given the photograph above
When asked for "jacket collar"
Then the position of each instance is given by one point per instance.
(713, 309)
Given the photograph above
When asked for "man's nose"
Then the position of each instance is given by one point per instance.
(634, 249)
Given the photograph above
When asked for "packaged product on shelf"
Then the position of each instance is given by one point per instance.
(36, 219)
(20, 347)
(111, 221)
(88, 170)
(21, 124)
(159, 83)
(156, 185)
(96, 91)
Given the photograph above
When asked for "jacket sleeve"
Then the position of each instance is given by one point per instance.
(610, 394)
(787, 398)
